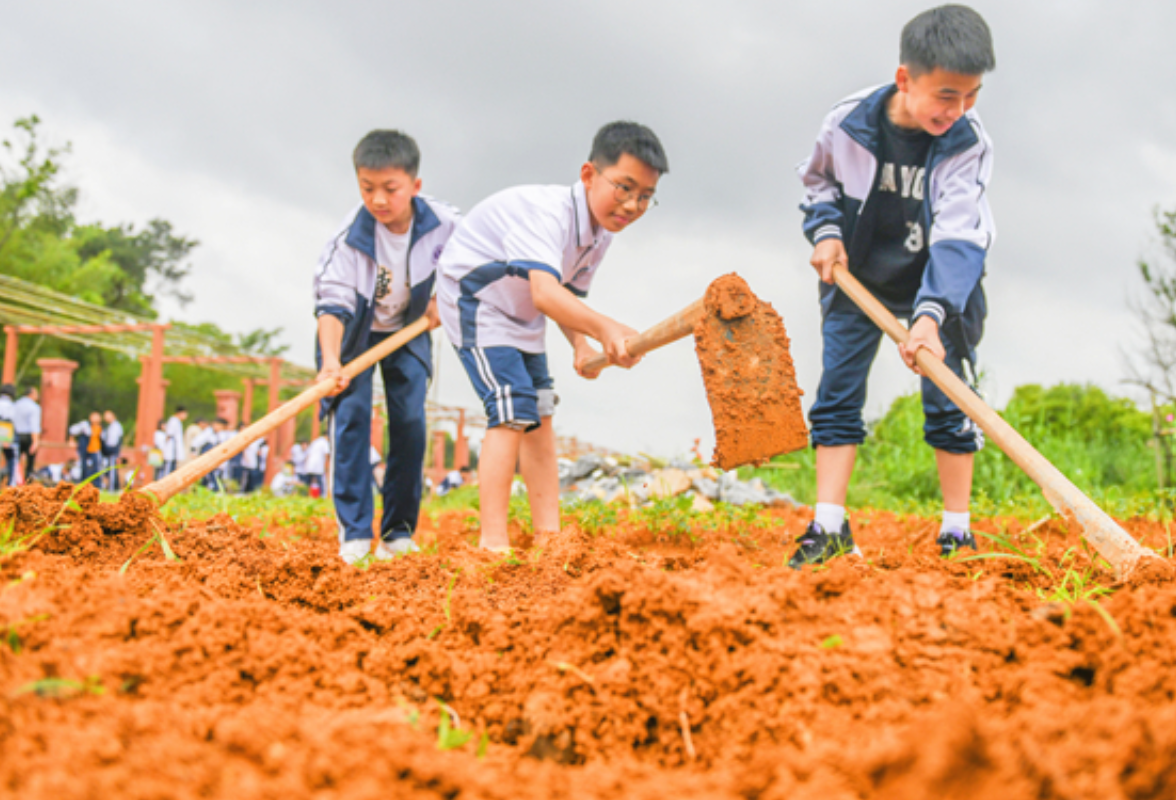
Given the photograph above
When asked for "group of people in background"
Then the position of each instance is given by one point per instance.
(20, 432)
(99, 440)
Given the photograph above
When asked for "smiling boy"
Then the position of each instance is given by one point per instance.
(374, 277)
(896, 189)
(521, 256)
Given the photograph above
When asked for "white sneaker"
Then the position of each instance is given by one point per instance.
(355, 550)
(386, 551)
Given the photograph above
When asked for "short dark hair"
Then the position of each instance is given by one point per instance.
(8, 389)
(181, 409)
(382, 149)
(954, 38)
(617, 138)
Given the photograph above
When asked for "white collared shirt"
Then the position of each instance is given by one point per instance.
(483, 292)
(298, 458)
(112, 434)
(28, 416)
(316, 456)
(174, 443)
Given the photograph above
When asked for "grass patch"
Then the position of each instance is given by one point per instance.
(1102, 444)
(300, 513)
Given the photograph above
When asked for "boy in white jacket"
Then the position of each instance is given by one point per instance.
(896, 190)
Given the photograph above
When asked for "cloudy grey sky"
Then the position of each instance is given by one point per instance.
(235, 121)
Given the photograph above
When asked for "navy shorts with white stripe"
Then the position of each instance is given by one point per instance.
(508, 382)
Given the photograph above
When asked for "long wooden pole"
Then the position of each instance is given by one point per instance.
(166, 488)
(1111, 541)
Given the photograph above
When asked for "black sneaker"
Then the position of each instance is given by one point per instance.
(954, 539)
(817, 547)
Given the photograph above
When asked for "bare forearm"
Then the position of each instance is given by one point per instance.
(575, 338)
(330, 335)
(568, 311)
(575, 318)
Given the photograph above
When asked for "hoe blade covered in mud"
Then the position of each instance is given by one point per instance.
(750, 380)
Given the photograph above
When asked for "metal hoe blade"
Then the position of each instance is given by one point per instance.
(749, 376)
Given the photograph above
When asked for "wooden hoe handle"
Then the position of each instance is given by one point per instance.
(1111, 541)
(669, 330)
(167, 487)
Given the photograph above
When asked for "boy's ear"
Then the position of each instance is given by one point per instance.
(587, 174)
(902, 77)
(416, 187)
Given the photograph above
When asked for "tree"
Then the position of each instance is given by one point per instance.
(120, 267)
(1154, 368)
(36, 219)
(151, 262)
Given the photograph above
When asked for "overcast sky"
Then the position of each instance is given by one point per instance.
(235, 121)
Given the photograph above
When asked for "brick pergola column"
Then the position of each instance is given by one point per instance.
(247, 401)
(438, 457)
(227, 402)
(10, 339)
(273, 463)
(461, 443)
(56, 383)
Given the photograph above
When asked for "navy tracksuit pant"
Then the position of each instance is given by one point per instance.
(406, 382)
(850, 344)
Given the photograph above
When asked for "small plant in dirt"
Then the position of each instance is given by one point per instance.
(11, 636)
(520, 511)
(449, 733)
(1066, 581)
(158, 536)
(668, 516)
(742, 523)
(593, 516)
(61, 688)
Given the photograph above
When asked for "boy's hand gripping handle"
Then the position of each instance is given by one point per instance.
(669, 330)
(1111, 541)
(166, 488)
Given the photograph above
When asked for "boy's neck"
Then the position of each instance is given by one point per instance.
(400, 226)
(896, 112)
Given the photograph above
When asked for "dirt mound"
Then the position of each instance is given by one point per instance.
(630, 662)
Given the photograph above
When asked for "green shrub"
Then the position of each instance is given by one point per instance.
(1101, 443)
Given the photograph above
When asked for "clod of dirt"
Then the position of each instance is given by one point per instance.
(749, 376)
(1150, 571)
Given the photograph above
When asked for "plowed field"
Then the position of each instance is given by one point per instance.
(621, 663)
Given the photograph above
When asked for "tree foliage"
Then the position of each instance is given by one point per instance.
(120, 267)
(1154, 367)
(41, 241)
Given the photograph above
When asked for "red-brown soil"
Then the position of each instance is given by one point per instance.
(750, 380)
(620, 664)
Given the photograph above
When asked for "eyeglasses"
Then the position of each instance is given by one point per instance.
(623, 194)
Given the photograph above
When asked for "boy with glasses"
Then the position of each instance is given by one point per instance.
(521, 256)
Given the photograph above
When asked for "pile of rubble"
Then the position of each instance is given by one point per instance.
(594, 477)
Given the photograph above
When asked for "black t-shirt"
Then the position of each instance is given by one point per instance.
(897, 252)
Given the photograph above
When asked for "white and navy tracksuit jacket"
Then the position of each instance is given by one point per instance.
(344, 287)
(838, 179)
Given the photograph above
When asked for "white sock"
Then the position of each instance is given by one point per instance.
(960, 520)
(829, 516)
